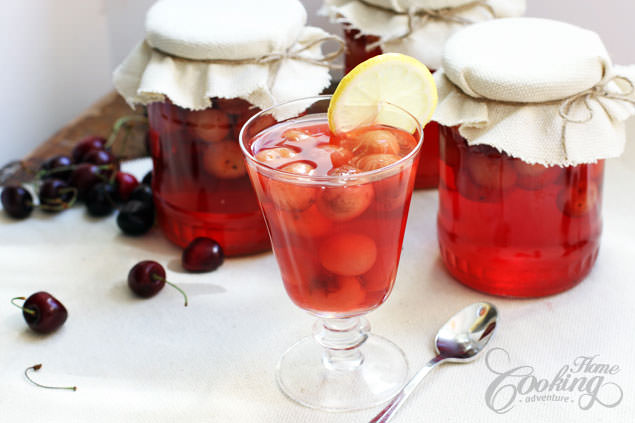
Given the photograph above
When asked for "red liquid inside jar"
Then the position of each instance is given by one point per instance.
(200, 184)
(509, 228)
(338, 247)
(428, 170)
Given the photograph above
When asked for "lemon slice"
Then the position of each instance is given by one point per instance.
(365, 94)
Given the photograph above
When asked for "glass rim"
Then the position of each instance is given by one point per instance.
(326, 178)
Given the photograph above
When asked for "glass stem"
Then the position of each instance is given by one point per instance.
(341, 339)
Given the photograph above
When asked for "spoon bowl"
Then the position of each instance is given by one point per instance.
(466, 333)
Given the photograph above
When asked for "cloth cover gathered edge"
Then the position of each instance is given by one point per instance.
(583, 127)
(429, 36)
(149, 74)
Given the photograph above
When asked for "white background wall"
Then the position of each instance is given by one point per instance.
(58, 55)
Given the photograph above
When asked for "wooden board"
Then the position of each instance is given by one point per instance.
(98, 119)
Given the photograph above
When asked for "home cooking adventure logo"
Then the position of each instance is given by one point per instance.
(585, 381)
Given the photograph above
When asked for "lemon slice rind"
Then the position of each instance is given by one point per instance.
(364, 95)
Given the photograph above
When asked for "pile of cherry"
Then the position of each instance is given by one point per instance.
(91, 175)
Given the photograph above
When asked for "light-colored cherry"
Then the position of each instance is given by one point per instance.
(376, 161)
(309, 223)
(346, 292)
(288, 196)
(372, 142)
(296, 135)
(299, 168)
(578, 200)
(339, 156)
(211, 125)
(343, 170)
(277, 154)
(346, 202)
(491, 171)
(348, 254)
(535, 176)
(224, 160)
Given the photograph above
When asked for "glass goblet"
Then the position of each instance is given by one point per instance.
(337, 238)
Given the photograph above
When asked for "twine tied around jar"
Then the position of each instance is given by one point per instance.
(447, 14)
(601, 90)
(290, 53)
(594, 93)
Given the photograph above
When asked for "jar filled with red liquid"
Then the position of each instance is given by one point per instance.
(200, 185)
(381, 26)
(511, 228)
(522, 154)
(201, 80)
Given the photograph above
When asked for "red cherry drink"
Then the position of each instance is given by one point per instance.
(337, 241)
(428, 170)
(510, 228)
(200, 185)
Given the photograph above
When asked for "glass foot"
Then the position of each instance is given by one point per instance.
(307, 374)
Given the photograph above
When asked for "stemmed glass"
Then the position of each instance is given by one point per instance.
(337, 240)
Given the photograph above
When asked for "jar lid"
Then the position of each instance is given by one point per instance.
(418, 28)
(543, 91)
(525, 60)
(236, 29)
(196, 50)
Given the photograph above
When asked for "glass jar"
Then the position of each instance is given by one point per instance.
(201, 80)
(200, 185)
(510, 228)
(428, 171)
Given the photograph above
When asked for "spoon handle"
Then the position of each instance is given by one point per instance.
(387, 413)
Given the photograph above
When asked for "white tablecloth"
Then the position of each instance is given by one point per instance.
(156, 361)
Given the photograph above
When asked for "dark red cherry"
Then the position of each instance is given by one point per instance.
(147, 278)
(86, 145)
(125, 184)
(85, 176)
(17, 201)
(136, 217)
(202, 255)
(100, 200)
(98, 157)
(56, 195)
(147, 179)
(58, 167)
(143, 193)
(43, 312)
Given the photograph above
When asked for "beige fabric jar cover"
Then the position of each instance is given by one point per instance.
(259, 51)
(539, 90)
(418, 28)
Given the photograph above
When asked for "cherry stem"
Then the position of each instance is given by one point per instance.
(58, 204)
(37, 367)
(121, 122)
(43, 172)
(26, 310)
(59, 169)
(109, 166)
(159, 278)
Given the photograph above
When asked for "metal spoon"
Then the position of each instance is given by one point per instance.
(459, 340)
